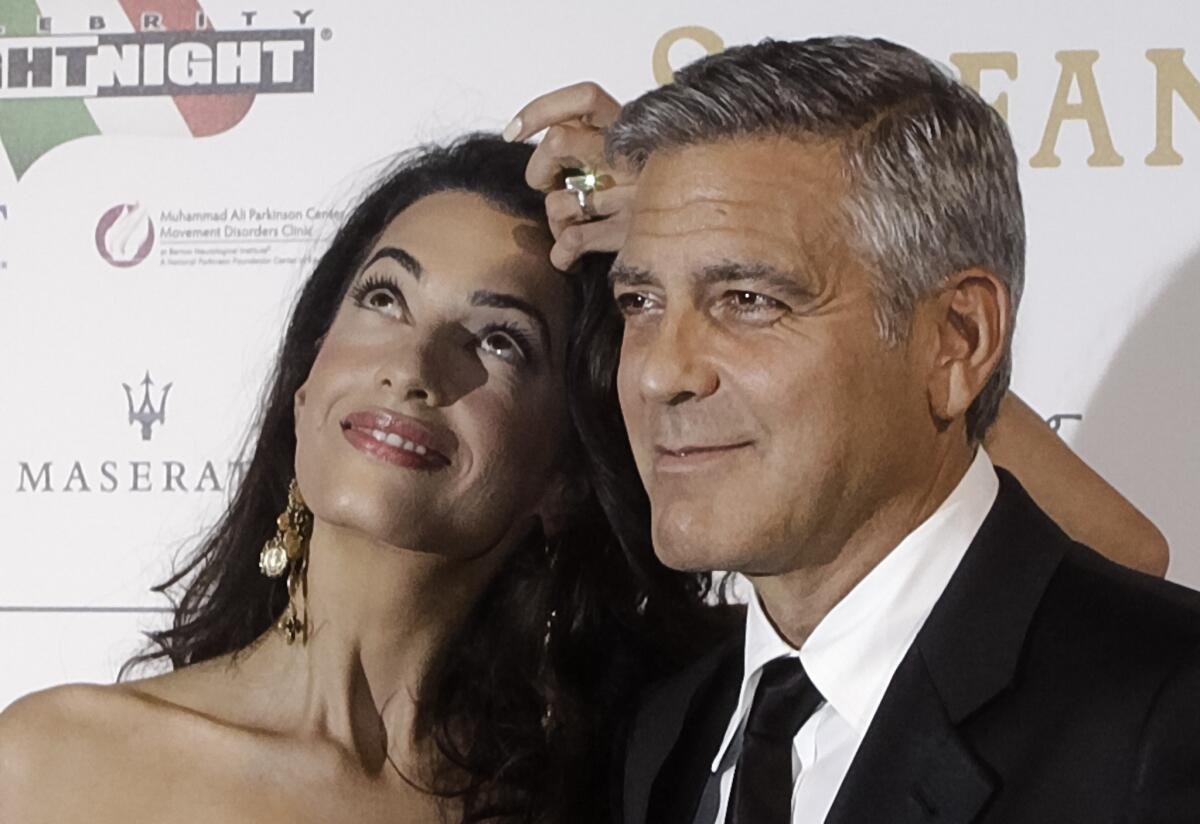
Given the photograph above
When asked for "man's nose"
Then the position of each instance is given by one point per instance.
(677, 365)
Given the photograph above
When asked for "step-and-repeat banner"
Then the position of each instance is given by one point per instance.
(170, 168)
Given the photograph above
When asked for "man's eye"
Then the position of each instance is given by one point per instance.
(632, 303)
(749, 299)
(753, 303)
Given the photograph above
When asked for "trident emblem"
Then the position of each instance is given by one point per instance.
(146, 414)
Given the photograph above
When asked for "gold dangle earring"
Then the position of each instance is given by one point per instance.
(287, 552)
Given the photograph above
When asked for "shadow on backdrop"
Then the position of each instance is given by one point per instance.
(1141, 428)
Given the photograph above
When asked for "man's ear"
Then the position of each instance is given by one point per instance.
(970, 319)
(563, 496)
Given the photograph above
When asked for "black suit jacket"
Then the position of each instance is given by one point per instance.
(1048, 686)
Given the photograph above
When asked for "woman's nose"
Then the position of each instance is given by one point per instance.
(433, 369)
(410, 373)
(412, 390)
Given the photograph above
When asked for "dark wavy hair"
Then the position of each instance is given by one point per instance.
(622, 620)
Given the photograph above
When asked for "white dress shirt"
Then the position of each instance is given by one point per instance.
(853, 652)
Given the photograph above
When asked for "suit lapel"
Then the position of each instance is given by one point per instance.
(912, 767)
(915, 765)
(683, 782)
(658, 727)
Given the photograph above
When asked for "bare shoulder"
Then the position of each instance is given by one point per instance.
(38, 724)
(130, 751)
(58, 738)
(97, 752)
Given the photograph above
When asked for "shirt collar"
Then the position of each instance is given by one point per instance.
(853, 652)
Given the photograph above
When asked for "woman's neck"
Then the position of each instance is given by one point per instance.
(377, 617)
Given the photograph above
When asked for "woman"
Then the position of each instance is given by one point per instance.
(414, 609)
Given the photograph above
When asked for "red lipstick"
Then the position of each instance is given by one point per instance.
(399, 439)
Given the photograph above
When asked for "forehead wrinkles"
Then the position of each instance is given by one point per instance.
(779, 195)
(706, 215)
(753, 162)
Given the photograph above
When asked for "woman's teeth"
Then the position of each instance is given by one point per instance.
(392, 439)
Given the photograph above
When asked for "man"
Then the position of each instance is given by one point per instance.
(822, 254)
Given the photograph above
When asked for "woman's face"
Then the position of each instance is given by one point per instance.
(434, 415)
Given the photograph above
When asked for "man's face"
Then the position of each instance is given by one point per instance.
(768, 419)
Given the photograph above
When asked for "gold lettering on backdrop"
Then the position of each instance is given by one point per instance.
(972, 65)
(1077, 68)
(1173, 78)
(708, 39)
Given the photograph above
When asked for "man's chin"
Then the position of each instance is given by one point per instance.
(694, 555)
(690, 535)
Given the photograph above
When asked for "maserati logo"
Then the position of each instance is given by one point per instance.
(135, 473)
(125, 235)
(146, 414)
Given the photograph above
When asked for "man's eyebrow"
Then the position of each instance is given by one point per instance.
(627, 275)
(503, 300)
(400, 256)
(761, 274)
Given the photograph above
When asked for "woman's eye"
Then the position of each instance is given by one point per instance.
(502, 345)
(380, 294)
(380, 299)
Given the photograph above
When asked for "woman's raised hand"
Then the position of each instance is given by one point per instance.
(574, 118)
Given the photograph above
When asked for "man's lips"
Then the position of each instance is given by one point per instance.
(399, 439)
(697, 453)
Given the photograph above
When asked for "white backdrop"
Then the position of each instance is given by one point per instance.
(145, 235)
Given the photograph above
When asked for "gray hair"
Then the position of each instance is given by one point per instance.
(932, 173)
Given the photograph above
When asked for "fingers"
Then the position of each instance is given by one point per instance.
(563, 210)
(578, 239)
(565, 146)
(584, 102)
(573, 118)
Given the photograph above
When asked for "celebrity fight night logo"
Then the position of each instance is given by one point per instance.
(51, 66)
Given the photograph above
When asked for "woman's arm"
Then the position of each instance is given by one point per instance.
(1082, 502)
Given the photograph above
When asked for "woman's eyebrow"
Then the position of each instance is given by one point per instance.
(402, 257)
(503, 300)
